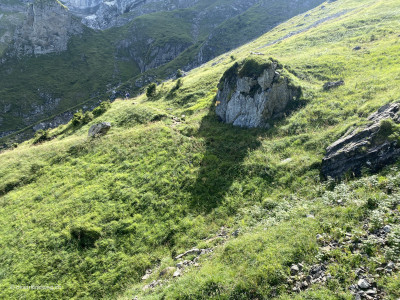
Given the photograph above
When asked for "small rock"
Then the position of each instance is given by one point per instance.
(294, 270)
(189, 252)
(332, 84)
(152, 285)
(390, 265)
(177, 273)
(304, 285)
(319, 237)
(363, 284)
(387, 228)
(286, 161)
(236, 233)
(179, 265)
(146, 276)
(357, 48)
(371, 292)
(311, 216)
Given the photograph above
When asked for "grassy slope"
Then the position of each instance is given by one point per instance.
(149, 190)
(91, 66)
(96, 61)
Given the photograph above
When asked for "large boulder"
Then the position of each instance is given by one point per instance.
(372, 146)
(99, 129)
(253, 93)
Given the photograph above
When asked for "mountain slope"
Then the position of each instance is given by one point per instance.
(92, 215)
(97, 62)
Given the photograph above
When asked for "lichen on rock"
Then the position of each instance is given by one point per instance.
(254, 92)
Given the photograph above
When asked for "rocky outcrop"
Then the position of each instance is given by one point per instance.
(373, 146)
(254, 93)
(47, 28)
(99, 129)
(332, 84)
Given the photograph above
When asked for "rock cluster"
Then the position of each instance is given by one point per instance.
(178, 270)
(371, 146)
(254, 93)
(301, 280)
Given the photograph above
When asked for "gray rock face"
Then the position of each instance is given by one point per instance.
(99, 14)
(47, 28)
(99, 129)
(369, 146)
(254, 100)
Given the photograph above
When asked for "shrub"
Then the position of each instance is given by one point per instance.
(102, 108)
(77, 118)
(41, 136)
(151, 90)
(87, 117)
(393, 250)
(179, 73)
(81, 118)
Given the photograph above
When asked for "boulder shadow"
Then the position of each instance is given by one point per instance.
(226, 147)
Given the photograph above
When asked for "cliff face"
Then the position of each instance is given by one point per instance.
(11, 17)
(254, 93)
(47, 28)
(98, 14)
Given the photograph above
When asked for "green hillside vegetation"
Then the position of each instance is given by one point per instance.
(93, 214)
(97, 62)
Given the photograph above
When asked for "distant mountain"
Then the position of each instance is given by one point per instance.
(59, 57)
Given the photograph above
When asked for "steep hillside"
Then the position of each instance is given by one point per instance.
(109, 217)
(96, 63)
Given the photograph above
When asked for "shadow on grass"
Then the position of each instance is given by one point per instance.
(226, 149)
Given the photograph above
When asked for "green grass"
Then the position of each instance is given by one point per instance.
(97, 62)
(91, 215)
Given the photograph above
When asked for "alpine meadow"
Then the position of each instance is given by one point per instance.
(210, 149)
